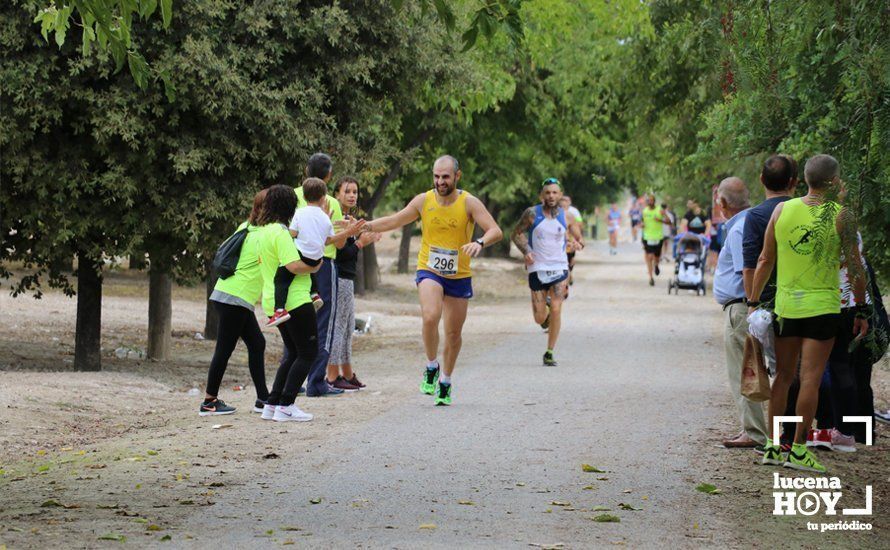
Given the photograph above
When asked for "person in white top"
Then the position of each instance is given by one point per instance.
(541, 236)
(312, 228)
(573, 221)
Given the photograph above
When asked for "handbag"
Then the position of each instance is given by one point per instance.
(755, 379)
(877, 340)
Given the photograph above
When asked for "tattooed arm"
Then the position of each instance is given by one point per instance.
(520, 235)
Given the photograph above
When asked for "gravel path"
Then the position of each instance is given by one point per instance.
(502, 466)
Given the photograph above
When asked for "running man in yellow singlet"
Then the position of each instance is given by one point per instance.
(448, 216)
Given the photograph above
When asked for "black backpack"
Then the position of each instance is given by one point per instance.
(229, 252)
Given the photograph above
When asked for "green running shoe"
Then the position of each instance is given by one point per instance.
(772, 455)
(430, 377)
(444, 395)
(801, 458)
(549, 361)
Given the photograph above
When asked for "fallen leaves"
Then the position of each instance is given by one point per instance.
(316, 500)
(591, 469)
(629, 507)
(558, 503)
(271, 456)
(601, 509)
(113, 536)
(220, 426)
(606, 518)
(429, 526)
(708, 489)
(466, 502)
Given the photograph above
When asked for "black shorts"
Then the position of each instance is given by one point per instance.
(652, 248)
(536, 285)
(310, 262)
(820, 327)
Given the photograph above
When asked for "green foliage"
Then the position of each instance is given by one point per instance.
(107, 26)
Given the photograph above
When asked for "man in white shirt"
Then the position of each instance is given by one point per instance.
(541, 236)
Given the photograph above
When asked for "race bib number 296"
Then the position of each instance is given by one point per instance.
(443, 261)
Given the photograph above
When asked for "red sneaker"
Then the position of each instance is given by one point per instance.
(355, 381)
(317, 302)
(819, 439)
(280, 316)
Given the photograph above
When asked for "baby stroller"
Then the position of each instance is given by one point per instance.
(690, 255)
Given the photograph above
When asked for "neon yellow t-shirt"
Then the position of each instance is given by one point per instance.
(247, 282)
(808, 260)
(652, 230)
(275, 248)
(330, 251)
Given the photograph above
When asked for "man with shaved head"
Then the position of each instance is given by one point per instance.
(729, 291)
(448, 217)
(806, 240)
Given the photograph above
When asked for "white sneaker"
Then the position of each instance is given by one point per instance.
(291, 413)
(269, 412)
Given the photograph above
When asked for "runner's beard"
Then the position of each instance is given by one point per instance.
(445, 190)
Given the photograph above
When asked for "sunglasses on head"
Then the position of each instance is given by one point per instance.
(550, 181)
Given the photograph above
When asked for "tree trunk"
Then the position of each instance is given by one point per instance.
(160, 313)
(63, 265)
(88, 331)
(371, 270)
(211, 317)
(137, 261)
(405, 247)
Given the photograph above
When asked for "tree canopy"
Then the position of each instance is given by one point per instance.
(666, 95)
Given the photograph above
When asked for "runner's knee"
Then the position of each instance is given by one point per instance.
(431, 317)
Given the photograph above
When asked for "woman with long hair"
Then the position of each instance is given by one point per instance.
(340, 373)
(234, 298)
(275, 248)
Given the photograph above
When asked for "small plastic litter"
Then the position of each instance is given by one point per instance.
(194, 392)
(125, 352)
(199, 336)
(363, 326)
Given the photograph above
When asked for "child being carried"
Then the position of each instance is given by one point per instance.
(313, 230)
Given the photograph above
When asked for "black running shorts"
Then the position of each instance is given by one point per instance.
(820, 327)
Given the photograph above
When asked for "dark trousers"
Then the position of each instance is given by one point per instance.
(847, 369)
(865, 400)
(300, 349)
(283, 279)
(326, 279)
(236, 322)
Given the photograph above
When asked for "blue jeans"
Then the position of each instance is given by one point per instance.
(326, 280)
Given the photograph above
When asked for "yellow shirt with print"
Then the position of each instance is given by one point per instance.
(444, 230)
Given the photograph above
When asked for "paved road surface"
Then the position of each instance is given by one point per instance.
(640, 379)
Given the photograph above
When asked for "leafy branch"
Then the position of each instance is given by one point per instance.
(107, 25)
